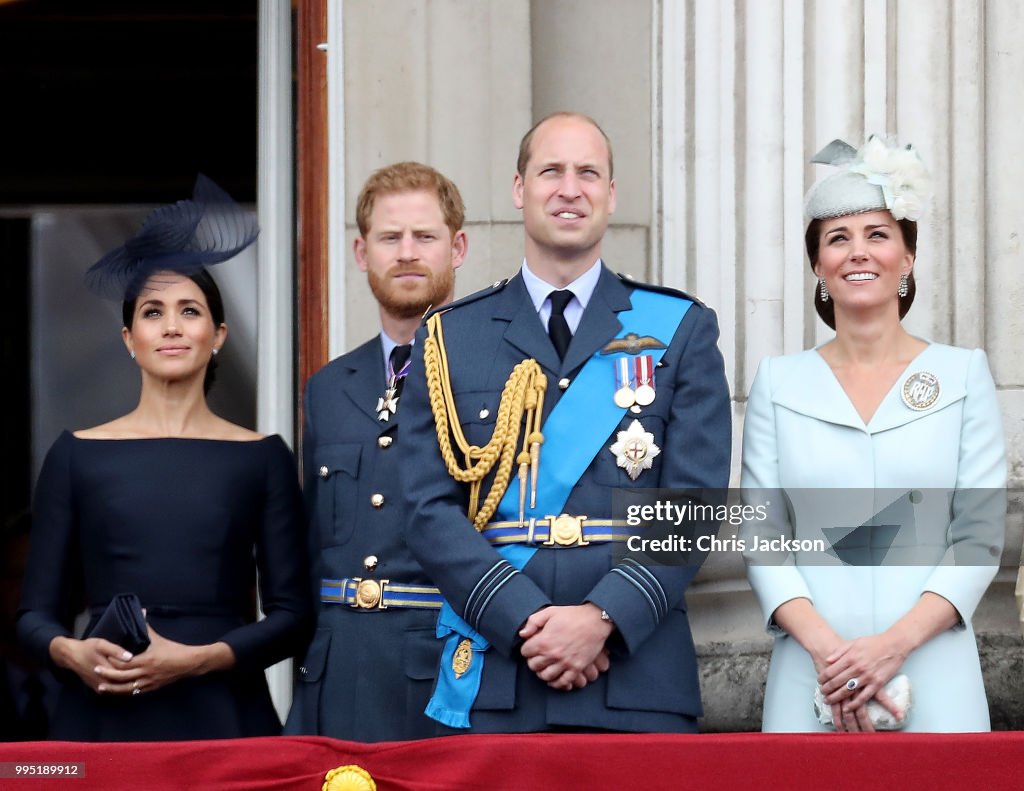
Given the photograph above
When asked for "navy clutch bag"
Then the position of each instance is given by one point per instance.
(123, 623)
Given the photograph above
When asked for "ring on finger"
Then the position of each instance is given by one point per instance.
(853, 683)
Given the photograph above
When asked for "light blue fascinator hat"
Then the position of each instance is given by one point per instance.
(881, 175)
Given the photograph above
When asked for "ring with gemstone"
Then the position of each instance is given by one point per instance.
(852, 684)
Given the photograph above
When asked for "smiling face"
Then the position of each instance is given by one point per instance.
(567, 195)
(861, 258)
(172, 332)
(409, 254)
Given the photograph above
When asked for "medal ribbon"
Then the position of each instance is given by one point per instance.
(622, 374)
(645, 370)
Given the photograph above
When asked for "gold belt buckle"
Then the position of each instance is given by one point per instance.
(369, 594)
(566, 531)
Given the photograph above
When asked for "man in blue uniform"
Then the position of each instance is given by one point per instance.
(368, 673)
(509, 467)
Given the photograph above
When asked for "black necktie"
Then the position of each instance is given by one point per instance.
(399, 357)
(558, 327)
(399, 365)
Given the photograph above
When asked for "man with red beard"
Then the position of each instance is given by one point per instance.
(369, 670)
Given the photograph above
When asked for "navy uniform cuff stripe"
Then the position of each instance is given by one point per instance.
(640, 588)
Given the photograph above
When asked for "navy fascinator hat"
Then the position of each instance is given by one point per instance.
(183, 237)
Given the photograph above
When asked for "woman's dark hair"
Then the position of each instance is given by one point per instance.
(208, 286)
(827, 310)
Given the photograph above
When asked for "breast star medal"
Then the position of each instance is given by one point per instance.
(920, 390)
(634, 450)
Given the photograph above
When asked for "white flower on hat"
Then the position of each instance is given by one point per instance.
(899, 172)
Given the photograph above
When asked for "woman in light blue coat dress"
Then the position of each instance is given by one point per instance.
(889, 450)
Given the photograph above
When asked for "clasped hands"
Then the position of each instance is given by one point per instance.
(872, 661)
(565, 645)
(109, 669)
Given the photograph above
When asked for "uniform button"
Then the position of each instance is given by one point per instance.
(384, 442)
(377, 500)
(563, 384)
(324, 471)
(370, 562)
(484, 413)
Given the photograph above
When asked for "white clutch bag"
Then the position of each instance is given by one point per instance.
(898, 689)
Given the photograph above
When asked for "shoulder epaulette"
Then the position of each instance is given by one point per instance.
(494, 288)
(673, 292)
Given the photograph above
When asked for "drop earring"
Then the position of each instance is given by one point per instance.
(822, 289)
(904, 285)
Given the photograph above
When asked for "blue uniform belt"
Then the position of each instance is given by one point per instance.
(558, 531)
(376, 594)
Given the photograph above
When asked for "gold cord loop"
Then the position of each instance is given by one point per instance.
(520, 412)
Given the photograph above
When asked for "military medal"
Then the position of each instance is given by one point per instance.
(634, 450)
(462, 659)
(920, 390)
(624, 396)
(644, 380)
(387, 404)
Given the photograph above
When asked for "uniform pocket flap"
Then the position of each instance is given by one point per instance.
(341, 457)
(422, 651)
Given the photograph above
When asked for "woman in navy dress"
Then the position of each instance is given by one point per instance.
(174, 504)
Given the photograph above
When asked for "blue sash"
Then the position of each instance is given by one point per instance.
(574, 433)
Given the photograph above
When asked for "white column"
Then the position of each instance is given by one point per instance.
(797, 312)
(275, 255)
(966, 185)
(671, 153)
(761, 231)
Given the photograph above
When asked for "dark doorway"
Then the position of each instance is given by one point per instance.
(122, 102)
